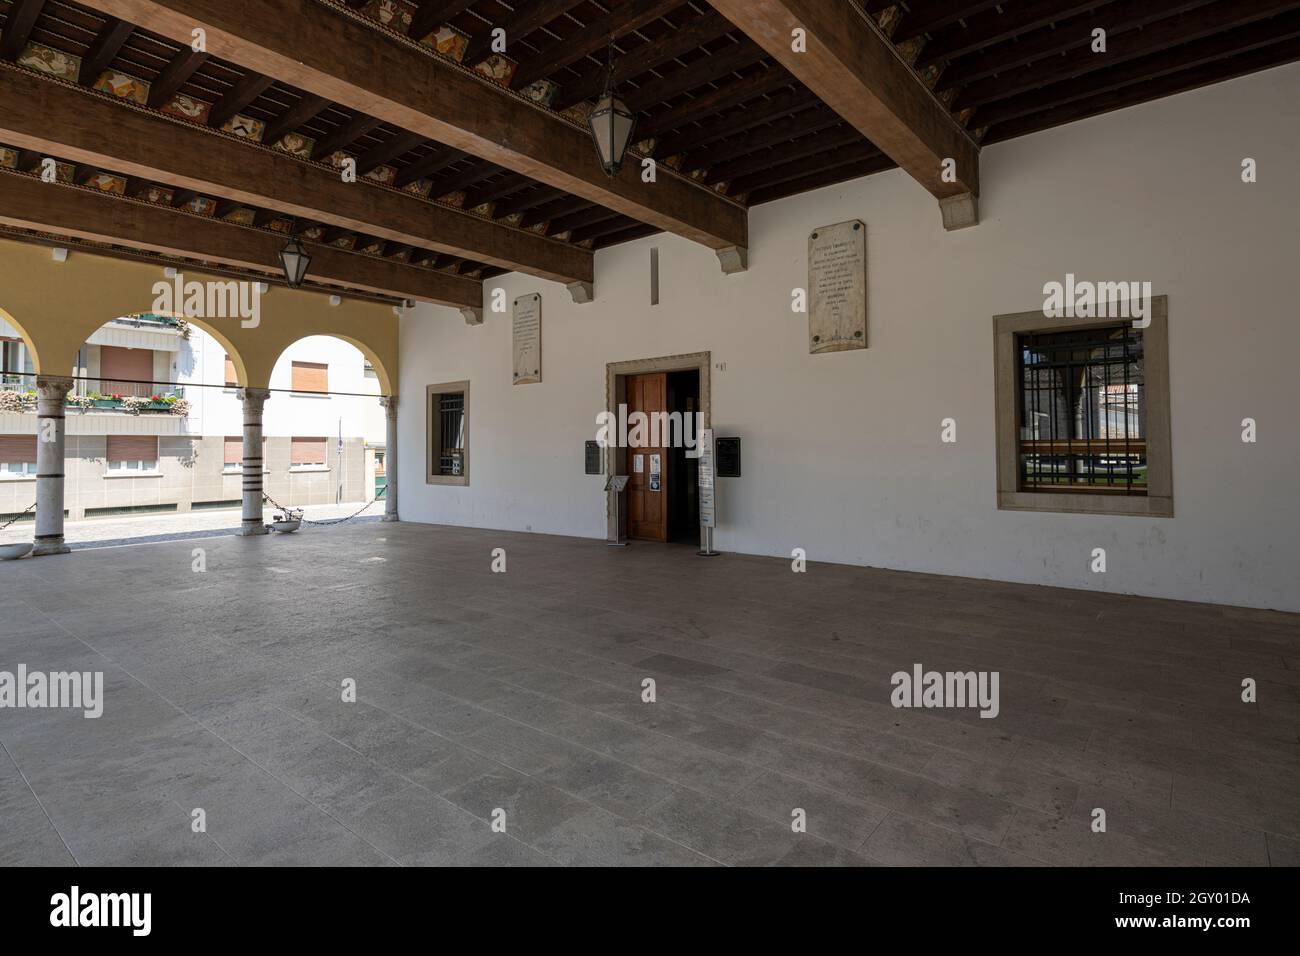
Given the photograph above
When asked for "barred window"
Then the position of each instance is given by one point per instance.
(448, 430)
(451, 412)
(1082, 411)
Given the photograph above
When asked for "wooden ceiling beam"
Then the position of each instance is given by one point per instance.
(689, 36)
(470, 176)
(996, 26)
(699, 72)
(88, 214)
(359, 67)
(858, 73)
(768, 157)
(308, 107)
(935, 16)
(69, 122)
(809, 121)
(522, 202)
(18, 27)
(433, 14)
(549, 211)
(770, 110)
(638, 231)
(826, 159)
(425, 167)
(615, 224)
(523, 20)
(1217, 71)
(583, 217)
(1121, 47)
(246, 89)
(507, 184)
(1184, 57)
(174, 75)
(827, 176)
(1060, 36)
(395, 146)
(596, 35)
(748, 88)
(103, 49)
(344, 136)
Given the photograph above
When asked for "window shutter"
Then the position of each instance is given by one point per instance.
(15, 449)
(122, 370)
(310, 377)
(232, 379)
(132, 448)
(307, 451)
(234, 450)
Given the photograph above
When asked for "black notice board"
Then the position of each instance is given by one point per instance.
(728, 457)
(592, 458)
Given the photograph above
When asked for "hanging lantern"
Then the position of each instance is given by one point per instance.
(294, 260)
(611, 124)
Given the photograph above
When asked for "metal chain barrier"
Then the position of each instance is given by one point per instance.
(325, 522)
(23, 514)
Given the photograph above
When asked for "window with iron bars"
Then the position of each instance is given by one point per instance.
(451, 413)
(1082, 411)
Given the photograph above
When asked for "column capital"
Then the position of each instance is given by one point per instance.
(54, 386)
(254, 397)
(389, 402)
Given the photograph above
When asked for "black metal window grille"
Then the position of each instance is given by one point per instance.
(1082, 411)
(451, 420)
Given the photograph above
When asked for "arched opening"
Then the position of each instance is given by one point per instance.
(324, 436)
(19, 365)
(20, 350)
(148, 389)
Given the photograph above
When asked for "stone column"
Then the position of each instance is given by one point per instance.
(254, 399)
(390, 457)
(50, 394)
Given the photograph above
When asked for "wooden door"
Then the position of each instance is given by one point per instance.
(647, 489)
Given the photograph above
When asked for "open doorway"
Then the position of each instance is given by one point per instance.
(661, 501)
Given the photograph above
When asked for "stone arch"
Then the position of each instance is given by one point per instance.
(26, 337)
(63, 303)
(371, 356)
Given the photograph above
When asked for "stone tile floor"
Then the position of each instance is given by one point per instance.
(521, 692)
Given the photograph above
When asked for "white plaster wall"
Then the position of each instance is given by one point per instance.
(842, 454)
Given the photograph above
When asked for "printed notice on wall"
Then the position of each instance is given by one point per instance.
(837, 287)
(528, 339)
(705, 467)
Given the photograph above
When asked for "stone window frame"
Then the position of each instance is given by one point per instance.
(432, 440)
(1158, 502)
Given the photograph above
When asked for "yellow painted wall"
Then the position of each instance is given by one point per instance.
(58, 305)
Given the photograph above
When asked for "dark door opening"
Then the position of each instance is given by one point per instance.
(683, 472)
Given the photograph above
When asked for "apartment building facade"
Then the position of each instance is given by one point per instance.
(154, 423)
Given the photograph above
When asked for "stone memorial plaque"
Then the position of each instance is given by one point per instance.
(837, 287)
(592, 461)
(528, 339)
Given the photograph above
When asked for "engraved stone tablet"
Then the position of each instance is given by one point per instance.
(837, 287)
(528, 339)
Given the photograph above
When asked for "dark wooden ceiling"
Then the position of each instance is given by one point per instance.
(710, 103)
